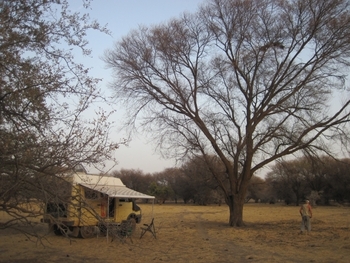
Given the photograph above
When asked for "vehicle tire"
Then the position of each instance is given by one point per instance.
(57, 230)
(87, 231)
(75, 231)
(103, 229)
(61, 230)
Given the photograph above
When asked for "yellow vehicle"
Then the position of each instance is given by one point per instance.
(90, 203)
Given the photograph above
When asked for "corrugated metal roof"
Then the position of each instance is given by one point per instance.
(117, 191)
(111, 186)
(95, 179)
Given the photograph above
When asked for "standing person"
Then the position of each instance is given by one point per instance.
(306, 213)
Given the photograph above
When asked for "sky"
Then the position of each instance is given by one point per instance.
(122, 16)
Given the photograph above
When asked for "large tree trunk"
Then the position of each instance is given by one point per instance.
(236, 203)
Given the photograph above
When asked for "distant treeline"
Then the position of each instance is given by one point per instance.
(322, 180)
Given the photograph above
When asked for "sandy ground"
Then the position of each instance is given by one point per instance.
(188, 233)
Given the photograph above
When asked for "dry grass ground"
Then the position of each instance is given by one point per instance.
(188, 233)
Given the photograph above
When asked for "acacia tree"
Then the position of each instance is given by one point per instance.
(247, 80)
(337, 175)
(44, 94)
(257, 190)
(290, 179)
(134, 179)
(204, 188)
(177, 182)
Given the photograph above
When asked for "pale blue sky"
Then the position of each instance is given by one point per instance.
(122, 16)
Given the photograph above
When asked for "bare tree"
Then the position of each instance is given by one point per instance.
(44, 95)
(319, 178)
(249, 81)
(257, 190)
(176, 181)
(290, 179)
(204, 187)
(337, 176)
(134, 179)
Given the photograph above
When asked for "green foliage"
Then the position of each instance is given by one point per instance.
(160, 191)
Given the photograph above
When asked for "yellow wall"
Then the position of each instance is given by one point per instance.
(124, 209)
(87, 212)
